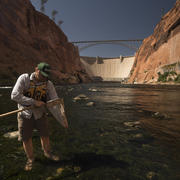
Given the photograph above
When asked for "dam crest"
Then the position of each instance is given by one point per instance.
(108, 69)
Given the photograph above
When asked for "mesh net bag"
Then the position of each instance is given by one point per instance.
(56, 107)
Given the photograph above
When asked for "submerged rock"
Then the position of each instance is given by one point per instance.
(160, 116)
(132, 124)
(59, 171)
(80, 97)
(77, 169)
(11, 135)
(93, 89)
(90, 104)
(150, 175)
(138, 135)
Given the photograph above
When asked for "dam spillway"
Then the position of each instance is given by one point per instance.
(108, 69)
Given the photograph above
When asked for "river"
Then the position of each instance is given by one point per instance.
(128, 132)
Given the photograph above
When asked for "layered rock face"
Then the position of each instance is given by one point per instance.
(28, 37)
(161, 49)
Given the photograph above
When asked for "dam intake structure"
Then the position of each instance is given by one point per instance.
(108, 69)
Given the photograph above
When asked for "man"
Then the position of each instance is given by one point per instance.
(34, 90)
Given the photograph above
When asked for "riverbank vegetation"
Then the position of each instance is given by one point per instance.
(171, 76)
(170, 73)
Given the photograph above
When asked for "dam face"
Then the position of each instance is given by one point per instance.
(108, 69)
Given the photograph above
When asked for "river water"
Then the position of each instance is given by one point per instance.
(131, 132)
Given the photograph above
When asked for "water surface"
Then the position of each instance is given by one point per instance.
(120, 137)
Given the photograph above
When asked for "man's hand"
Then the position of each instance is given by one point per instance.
(39, 103)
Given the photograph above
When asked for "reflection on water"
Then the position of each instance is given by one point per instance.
(6, 87)
(164, 101)
(134, 101)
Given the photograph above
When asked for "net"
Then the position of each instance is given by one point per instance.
(58, 112)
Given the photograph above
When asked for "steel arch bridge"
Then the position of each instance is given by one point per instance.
(132, 44)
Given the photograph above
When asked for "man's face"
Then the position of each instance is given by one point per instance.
(39, 76)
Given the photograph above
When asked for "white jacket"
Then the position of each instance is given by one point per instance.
(21, 86)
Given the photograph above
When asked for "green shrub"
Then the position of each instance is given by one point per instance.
(173, 73)
(177, 79)
(163, 77)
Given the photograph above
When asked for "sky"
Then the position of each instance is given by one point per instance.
(92, 20)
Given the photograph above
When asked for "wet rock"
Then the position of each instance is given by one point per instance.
(59, 171)
(93, 89)
(90, 104)
(138, 135)
(80, 97)
(71, 89)
(11, 135)
(77, 169)
(150, 175)
(159, 115)
(135, 124)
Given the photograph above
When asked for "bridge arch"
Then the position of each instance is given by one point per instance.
(131, 44)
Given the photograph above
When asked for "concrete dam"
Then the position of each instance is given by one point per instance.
(108, 69)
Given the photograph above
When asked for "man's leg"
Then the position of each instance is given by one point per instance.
(42, 126)
(47, 149)
(25, 127)
(45, 144)
(28, 148)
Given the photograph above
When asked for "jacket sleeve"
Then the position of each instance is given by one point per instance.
(51, 94)
(17, 92)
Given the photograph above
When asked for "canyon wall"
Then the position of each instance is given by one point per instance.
(28, 37)
(161, 49)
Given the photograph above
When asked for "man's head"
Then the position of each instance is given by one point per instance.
(42, 71)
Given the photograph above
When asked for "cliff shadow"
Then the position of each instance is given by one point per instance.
(91, 160)
(87, 161)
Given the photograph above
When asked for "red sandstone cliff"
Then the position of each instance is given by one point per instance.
(28, 37)
(160, 49)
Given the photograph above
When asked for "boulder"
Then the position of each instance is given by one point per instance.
(11, 135)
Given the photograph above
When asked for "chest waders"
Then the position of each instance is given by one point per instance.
(37, 91)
